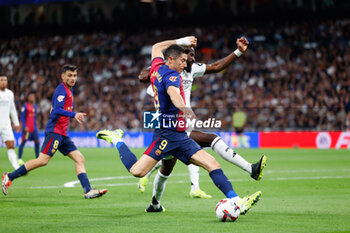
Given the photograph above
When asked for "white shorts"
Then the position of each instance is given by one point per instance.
(6, 134)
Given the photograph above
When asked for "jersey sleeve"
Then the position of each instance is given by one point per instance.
(150, 90)
(23, 115)
(58, 100)
(172, 79)
(156, 63)
(198, 70)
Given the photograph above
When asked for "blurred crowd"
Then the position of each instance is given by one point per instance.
(294, 76)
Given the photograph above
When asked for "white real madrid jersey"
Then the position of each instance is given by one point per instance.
(7, 108)
(198, 70)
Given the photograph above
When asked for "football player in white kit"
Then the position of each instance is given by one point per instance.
(195, 70)
(7, 109)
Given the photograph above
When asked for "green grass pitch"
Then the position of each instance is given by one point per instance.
(303, 191)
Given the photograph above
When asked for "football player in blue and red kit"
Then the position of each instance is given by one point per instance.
(30, 130)
(56, 137)
(171, 138)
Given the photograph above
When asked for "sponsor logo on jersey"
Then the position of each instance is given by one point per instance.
(60, 98)
(173, 78)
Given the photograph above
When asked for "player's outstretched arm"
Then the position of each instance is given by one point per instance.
(176, 99)
(160, 46)
(242, 44)
(80, 117)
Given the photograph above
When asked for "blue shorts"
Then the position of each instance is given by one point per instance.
(168, 142)
(54, 142)
(26, 136)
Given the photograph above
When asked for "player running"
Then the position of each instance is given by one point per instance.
(172, 139)
(192, 71)
(7, 109)
(56, 137)
(29, 127)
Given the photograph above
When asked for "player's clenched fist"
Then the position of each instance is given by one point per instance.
(193, 41)
(242, 44)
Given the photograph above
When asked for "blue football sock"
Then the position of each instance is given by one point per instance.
(36, 148)
(84, 181)
(128, 158)
(221, 181)
(20, 149)
(18, 172)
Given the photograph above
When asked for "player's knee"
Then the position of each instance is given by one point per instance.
(81, 159)
(210, 138)
(10, 146)
(166, 170)
(137, 172)
(215, 165)
(212, 165)
(42, 162)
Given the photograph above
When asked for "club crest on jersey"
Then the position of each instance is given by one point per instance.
(158, 152)
(173, 78)
(60, 98)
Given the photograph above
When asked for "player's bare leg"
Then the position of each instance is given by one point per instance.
(79, 161)
(143, 166)
(42, 160)
(159, 185)
(7, 177)
(138, 168)
(144, 180)
(219, 146)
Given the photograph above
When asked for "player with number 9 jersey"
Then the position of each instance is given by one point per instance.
(161, 78)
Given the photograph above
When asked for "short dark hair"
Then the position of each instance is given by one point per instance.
(175, 51)
(31, 92)
(69, 67)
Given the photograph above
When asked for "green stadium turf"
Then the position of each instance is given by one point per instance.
(303, 191)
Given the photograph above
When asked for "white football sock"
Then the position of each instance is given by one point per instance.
(194, 176)
(148, 175)
(13, 158)
(236, 199)
(158, 188)
(220, 147)
(115, 141)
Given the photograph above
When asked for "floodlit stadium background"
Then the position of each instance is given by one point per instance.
(294, 76)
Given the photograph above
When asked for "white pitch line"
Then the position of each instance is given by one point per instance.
(71, 185)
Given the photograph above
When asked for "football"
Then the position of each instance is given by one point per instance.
(227, 210)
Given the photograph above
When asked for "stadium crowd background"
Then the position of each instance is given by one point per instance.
(294, 76)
